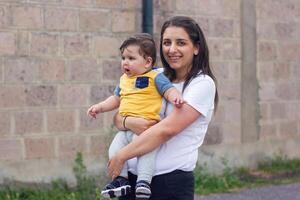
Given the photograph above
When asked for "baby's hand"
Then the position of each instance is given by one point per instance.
(94, 110)
(178, 101)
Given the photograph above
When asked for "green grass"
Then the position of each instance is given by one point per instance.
(272, 171)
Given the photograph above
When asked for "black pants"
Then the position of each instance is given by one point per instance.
(177, 185)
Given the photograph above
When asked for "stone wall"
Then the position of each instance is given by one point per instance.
(57, 57)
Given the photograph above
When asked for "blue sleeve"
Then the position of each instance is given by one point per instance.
(117, 91)
(162, 83)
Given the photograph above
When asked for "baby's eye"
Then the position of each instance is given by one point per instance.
(123, 58)
(131, 58)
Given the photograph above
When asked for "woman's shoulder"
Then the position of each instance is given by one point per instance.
(202, 78)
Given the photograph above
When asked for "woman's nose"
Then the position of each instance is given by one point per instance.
(173, 48)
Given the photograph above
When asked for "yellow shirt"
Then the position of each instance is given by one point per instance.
(141, 96)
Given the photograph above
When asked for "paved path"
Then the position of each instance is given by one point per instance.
(282, 192)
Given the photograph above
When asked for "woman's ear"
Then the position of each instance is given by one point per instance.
(196, 49)
(149, 61)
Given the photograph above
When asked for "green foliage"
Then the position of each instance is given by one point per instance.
(206, 183)
(86, 188)
(232, 179)
(279, 164)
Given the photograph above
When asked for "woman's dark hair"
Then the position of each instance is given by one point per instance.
(200, 63)
(145, 42)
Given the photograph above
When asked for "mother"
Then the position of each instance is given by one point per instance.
(185, 58)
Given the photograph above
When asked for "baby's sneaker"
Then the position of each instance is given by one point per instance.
(118, 187)
(142, 190)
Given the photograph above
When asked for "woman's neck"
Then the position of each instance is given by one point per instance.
(180, 76)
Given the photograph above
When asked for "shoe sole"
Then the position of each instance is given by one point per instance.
(142, 193)
(116, 192)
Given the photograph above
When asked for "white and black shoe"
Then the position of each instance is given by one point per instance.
(117, 188)
(142, 190)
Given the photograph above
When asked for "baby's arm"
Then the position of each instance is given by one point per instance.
(108, 104)
(174, 97)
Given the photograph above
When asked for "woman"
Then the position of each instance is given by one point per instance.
(185, 58)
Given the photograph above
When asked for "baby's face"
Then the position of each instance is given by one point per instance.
(133, 63)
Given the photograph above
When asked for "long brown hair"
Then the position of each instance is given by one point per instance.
(200, 61)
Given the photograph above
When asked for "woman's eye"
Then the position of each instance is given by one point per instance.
(181, 43)
(166, 43)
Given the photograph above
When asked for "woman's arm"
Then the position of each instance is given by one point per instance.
(135, 124)
(173, 124)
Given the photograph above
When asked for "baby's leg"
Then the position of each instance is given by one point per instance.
(120, 185)
(119, 141)
(146, 166)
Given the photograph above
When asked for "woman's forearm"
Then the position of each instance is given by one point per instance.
(158, 134)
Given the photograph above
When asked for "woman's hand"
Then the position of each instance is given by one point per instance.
(115, 165)
(135, 124)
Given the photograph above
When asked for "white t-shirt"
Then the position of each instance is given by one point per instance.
(181, 151)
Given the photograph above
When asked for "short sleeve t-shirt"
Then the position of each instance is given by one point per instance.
(181, 151)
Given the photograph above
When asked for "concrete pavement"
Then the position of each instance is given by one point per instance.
(277, 192)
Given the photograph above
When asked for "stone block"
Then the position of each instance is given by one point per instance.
(99, 145)
(12, 96)
(286, 91)
(289, 51)
(86, 123)
(52, 70)
(5, 124)
(101, 92)
(111, 70)
(20, 70)
(267, 91)
(42, 95)
(72, 95)
(60, 121)
(279, 11)
(27, 17)
(231, 49)
(8, 43)
(11, 149)
(69, 146)
(295, 70)
(215, 48)
(39, 148)
(213, 136)
(231, 133)
(268, 132)
(288, 129)
(76, 45)
(132, 4)
(44, 44)
(267, 51)
(54, 16)
(221, 28)
(23, 43)
(4, 16)
(79, 3)
(229, 89)
(123, 21)
(95, 21)
(84, 70)
(109, 3)
(278, 110)
(264, 111)
(28, 122)
(106, 46)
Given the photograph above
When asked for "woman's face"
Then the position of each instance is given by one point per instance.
(178, 49)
